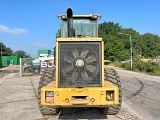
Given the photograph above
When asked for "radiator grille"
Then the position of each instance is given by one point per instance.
(79, 64)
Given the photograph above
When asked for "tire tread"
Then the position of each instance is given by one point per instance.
(45, 79)
(112, 76)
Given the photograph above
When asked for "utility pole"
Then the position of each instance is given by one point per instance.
(130, 39)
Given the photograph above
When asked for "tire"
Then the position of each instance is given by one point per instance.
(27, 69)
(36, 70)
(45, 79)
(112, 76)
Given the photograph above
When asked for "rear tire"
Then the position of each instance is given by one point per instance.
(36, 70)
(26, 70)
(112, 76)
(45, 79)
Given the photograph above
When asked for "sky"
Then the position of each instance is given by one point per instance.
(30, 25)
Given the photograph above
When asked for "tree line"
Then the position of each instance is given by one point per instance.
(117, 46)
(7, 51)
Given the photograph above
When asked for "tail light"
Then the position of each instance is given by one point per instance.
(110, 95)
(49, 96)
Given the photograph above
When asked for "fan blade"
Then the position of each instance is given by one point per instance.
(69, 68)
(91, 68)
(84, 76)
(66, 59)
(83, 54)
(71, 58)
(91, 59)
(74, 76)
(75, 53)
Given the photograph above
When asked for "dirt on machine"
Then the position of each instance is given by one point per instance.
(79, 78)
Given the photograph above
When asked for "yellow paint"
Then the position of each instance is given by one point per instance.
(65, 97)
(61, 95)
(57, 64)
(79, 39)
(102, 51)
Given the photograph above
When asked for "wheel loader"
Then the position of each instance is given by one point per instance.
(79, 78)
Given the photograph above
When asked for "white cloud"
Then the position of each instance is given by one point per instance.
(38, 44)
(14, 30)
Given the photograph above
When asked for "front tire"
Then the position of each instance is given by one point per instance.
(45, 79)
(27, 70)
(112, 76)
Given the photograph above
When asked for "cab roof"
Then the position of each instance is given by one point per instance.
(89, 16)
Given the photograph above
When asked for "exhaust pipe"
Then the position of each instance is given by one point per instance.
(70, 22)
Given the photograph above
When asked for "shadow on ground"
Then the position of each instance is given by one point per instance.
(80, 113)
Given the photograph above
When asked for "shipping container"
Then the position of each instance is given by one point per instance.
(11, 62)
(0, 62)
(43, 51)
(5, 63)
(6, 58)
(14, 60)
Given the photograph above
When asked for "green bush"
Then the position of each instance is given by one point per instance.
(148, 67)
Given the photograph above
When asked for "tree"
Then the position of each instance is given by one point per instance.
(151, 45)
(58, 34)
(21, 54)
(136, 41)
(6, 51)
(109, 28)
(114, 48)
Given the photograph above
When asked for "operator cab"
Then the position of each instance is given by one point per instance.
(83, 25)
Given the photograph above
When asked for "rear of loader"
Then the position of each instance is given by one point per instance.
(79, 79)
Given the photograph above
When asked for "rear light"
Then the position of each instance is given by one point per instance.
(110, 95)
(49, 96)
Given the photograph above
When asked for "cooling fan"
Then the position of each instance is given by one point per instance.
(80, 65)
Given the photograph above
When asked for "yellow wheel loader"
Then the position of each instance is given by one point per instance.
(79, 78)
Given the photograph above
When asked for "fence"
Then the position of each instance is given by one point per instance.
(25, 67)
